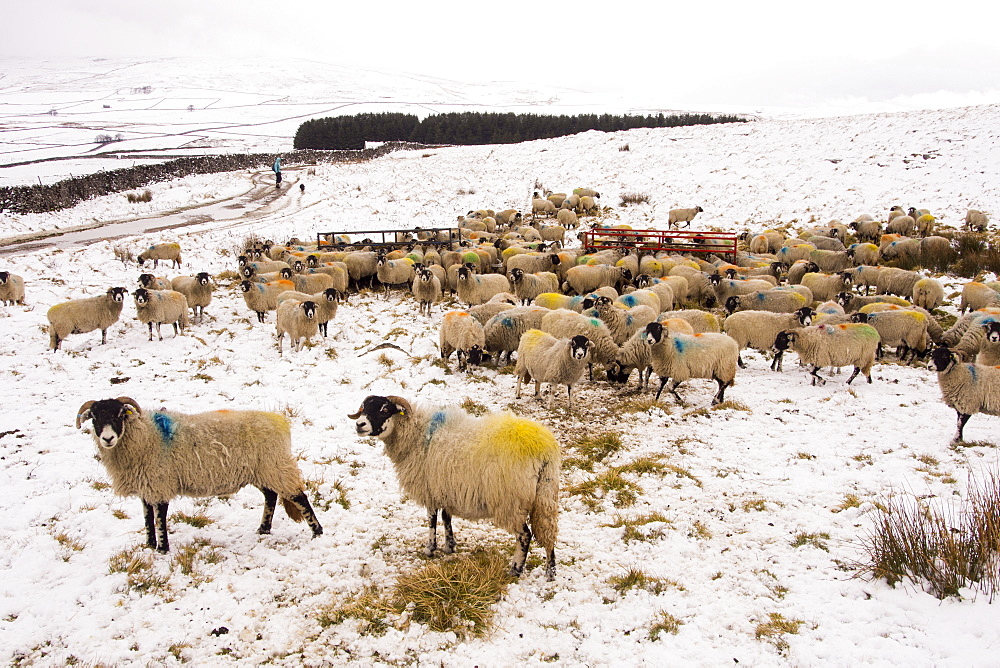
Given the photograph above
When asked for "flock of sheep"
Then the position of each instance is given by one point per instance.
(556, 313)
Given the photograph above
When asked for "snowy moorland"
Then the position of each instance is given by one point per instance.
(749, 515)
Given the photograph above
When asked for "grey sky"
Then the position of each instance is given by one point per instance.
(740, 53)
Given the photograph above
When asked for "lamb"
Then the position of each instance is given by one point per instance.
(298, 320)
(263, 297)
(160, 306)
(928, 293)
(529, 286)
(326, 301)
(682, 216)
(161, 455)
(11, 289)
(157, 252)
(586, 278)
(976, 221)
(197, 290)
(758, 329)
(151, 282)
(498, 467)
(462, 333)
(427, 290)
(679, 357)
(545, 359)
(79, 316)
(967, 387)
(474, 289)
(775, 301)
(901, 328)
(976, 295)
(852, 344)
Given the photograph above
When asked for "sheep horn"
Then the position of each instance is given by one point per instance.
(132, 402)
(402, 404)
(83, 413)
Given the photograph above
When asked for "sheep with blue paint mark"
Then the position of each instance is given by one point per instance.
(966, 387)
(775, 301)
(503, 331)
(852, 344)
(11, 289)
(161, 455)
(758, 329)
(263, 297)
(164, 251)
(680, 357)
(498, 467)
(159, 307)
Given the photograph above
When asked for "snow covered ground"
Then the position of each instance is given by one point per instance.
(764, 507)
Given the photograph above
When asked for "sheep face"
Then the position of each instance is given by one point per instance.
(117, 294)
(202, 277)
(248, 271)
(654, 332)
(108, 419)
(145, 280)
(374, 417)
(784, 340)
(992, 331)
(731, 303)
(942, 359)
(141, 296)
(579, 347)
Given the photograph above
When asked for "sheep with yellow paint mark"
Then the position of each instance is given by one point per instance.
(498, 467)
(543, 358)
(161, 455)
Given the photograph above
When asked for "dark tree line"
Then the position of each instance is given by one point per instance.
(351, 132)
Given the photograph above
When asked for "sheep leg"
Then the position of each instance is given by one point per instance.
(520, 551)
(663, 382)
(740, 362)
(158, 332)
(301, 501)
(432, 523)
(160, 518)
(104, 336)
(550, 564)
(854, 375)
(962, 419)
(449, 535)
(147, 511)
(517, 390)
(270, 500)
(673, 391)
(720, 397)
(776, 362)
(816, 377)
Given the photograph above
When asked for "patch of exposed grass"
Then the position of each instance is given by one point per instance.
(637, 579)
(198, 521)
(611, 485)
(731, 405)
(137, 565)
(594, 449)
(700, 531)
(850, 501)
(473, 407)
(664, 623)
(775, 629)
(813, 539)
(639, 405)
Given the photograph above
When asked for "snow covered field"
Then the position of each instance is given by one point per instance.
(763, 505)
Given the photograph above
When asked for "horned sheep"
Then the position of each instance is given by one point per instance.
(852, 344)
(967, 387)
(79, 316)
(497, 467)
(543, 358)
(679, 357)
(151, 282)
(161, 455)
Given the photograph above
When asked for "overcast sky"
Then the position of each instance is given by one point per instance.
(780, 53)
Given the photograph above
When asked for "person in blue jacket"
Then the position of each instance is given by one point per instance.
(277, 172)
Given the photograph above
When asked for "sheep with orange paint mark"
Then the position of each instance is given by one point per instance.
(498, 467)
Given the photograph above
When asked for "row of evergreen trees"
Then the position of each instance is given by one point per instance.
(471, 127)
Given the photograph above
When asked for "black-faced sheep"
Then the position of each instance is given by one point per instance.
(159, 307)
(529, 286)
(326, 302)
(851, 344)
(976, 221)
(161, 455)
(11, 289)
(677, 216)
(151, 282)
(967, 387)
(758, 329)
(463, 334)
(497, 467)
(165, 251)
(263, 297)
(79, 316)
(679, 357)
(503, 331)
(298, 320)
(543, 358)
(426, 289)
(197, 290)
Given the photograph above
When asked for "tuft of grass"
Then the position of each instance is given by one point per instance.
(198, 521)
(119, 514)
(850, 501)
(473, 407)
(637, 579)
(641, 406)
(664, 623)
(594, 449)
(732, 405)
(612, 484)
(624, 147)
(628, 199)
(700, 531)
(775, 629)
(124, 254)
(814, 539)
(144, 196)
(137, 565)
(757, 503)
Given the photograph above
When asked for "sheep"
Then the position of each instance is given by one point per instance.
(831, 345)
(497, 467)
(326, 301)
(542, 207)
(928, 293)
(699, 288)
(867, 230)
(160, 306)
(556, 300)
(791, 254)
(901, 225)
(863, 254)
(830, 261)
(924, 224)
(724, 288)
(474, 289)
(427, 290)
(759, 244)
(263, 297)
(895, 281)
(485, 312)
(976, 295)
(11, 289)
(161, 455)
(903, 329)
(615, 318)
(586, 278)
(464, 335)
(968, 388)
(298, 320)
(545, 359)
(503, 331)
(682, 216)
(572, 202)
(151, 282)
(508, 217)
(799, 269)
(775, 301)
(664, 289)
(825, 286)
(976, 221)
(157, 252)
(589, 205)
(564, 324)
(989, 353)
(197, 290)
(700, 321)
(758, 329)
(586, 192)
(852, 302)
(556, 198)
(972, 319)
(823, 242)
(679, 357)
(906, 251)
(361, 265)
(529, 286)
(567, 218)
(391, 272)
(79, 316)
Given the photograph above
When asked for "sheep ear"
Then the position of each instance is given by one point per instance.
(83, 414)
(130, 404)
(402, 405)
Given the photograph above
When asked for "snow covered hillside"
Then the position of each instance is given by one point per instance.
(749, 514)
